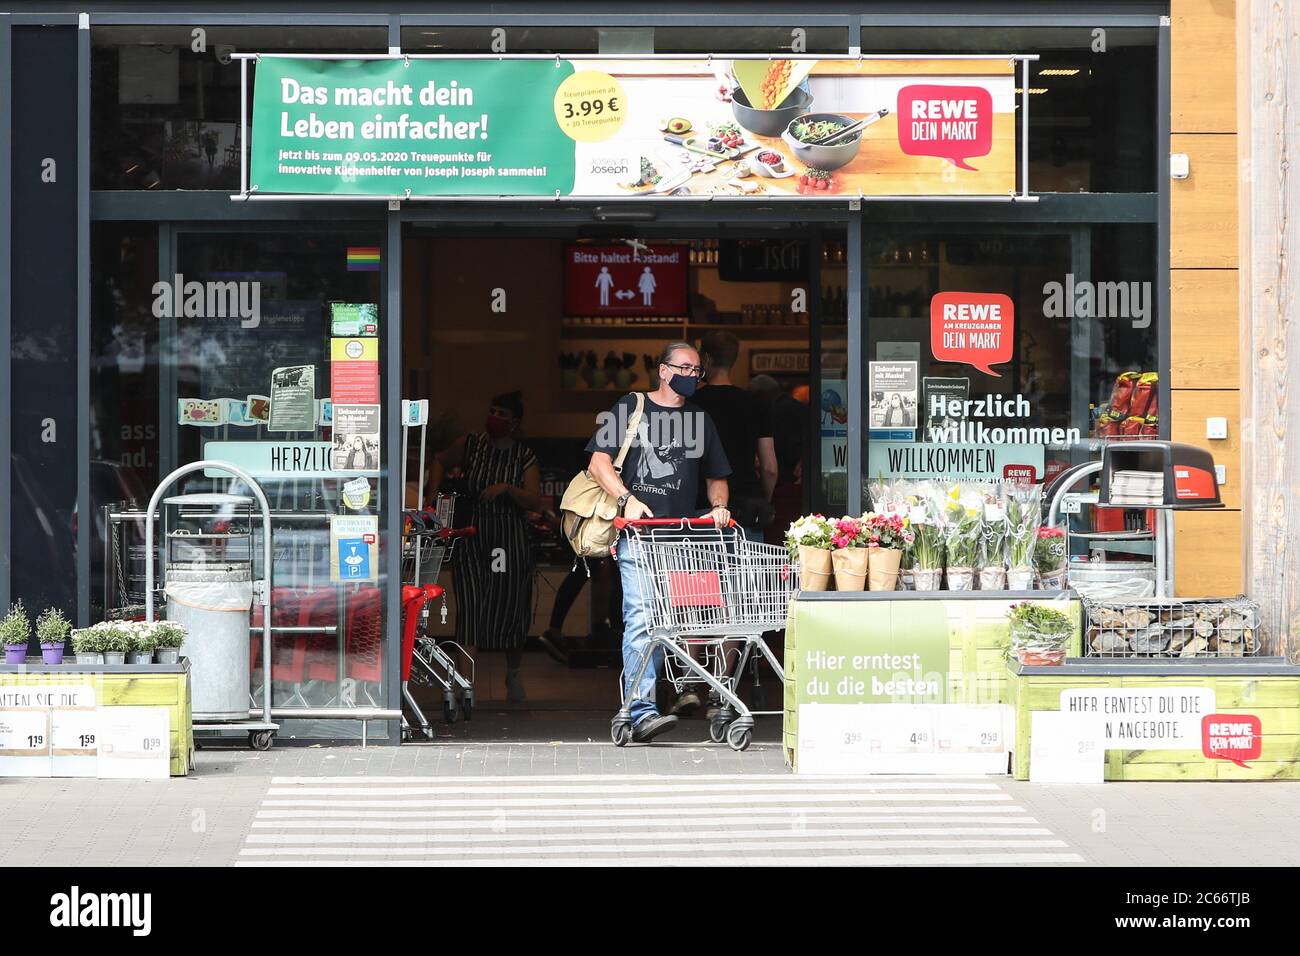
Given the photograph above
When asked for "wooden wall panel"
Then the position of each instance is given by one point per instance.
(1269, 51)
(1207, 545)
(1187, 424)
(1203, 67)
(1203, 207)
(1205, 343)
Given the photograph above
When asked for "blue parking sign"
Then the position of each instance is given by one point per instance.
(354, 559)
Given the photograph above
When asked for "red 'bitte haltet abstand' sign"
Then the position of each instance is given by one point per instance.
(625, 280)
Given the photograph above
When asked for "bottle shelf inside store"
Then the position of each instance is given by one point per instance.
(656, 330)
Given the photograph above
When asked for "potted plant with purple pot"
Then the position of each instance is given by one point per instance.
(52, 631)
(15, 630)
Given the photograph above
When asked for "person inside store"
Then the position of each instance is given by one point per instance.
(603, 577)
(676, 445)
(788, 409)
(493, 567)
(744, 424)
(606, 605)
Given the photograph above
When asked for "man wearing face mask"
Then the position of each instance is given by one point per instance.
(494, 567)
(676, 445)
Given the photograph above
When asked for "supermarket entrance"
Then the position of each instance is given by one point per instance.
(524, 318)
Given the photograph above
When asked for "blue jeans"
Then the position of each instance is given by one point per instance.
(636, 637)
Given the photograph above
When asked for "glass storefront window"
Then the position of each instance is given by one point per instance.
(594, 39)
(1082, 314)
(165, 99)
(243, 363)
(1092, 109)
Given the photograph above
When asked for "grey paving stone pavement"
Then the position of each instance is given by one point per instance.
(579, 799)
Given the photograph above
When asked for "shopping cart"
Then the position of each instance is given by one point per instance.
(708, 590)
(426, 544)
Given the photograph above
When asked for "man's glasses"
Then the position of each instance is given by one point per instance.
(695, 370)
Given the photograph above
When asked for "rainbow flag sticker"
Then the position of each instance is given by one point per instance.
(363, 258)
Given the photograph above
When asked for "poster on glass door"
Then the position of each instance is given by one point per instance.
(892, 411)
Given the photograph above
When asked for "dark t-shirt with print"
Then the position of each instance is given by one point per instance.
(673, 450)
(742, 418)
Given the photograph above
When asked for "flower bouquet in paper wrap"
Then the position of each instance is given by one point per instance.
(851, 544)
(891, 535)
(1040, 633)
(1022, 534)
(896, 497)
(925, 517)
(808, 541)
(1049, 558)
(890, 497)
(993, 541)
(962, 523)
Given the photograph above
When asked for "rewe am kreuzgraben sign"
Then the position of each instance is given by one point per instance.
(653, 127)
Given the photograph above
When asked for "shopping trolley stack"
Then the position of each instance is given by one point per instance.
(708, 594)
(426, 544)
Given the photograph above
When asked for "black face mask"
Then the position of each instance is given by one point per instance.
(683, 385)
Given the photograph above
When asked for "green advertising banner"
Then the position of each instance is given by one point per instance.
(819, 128)
(884, 652)
(435, 127)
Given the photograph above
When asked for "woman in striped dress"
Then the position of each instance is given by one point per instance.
(494, 567)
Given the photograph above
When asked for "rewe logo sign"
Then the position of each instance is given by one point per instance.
(974, 328)
(952, 122)
(76, 909)
(1235, 737)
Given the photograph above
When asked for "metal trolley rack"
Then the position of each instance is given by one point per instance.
(261, 732)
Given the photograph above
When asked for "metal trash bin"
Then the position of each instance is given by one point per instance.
(212, 600)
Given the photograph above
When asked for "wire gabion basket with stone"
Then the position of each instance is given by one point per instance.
(1198, 627)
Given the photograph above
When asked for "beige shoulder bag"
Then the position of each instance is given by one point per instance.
(587, 511)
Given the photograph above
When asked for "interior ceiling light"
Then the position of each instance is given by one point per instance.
(1056, 71)
(1032, 90)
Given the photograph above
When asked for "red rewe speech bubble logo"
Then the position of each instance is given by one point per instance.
(952, 122)
(974, 328)
(1235, 737)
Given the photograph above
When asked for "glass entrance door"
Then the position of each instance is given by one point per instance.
(270, 358)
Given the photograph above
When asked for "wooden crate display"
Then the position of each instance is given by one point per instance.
(1275, 700)
(170, 689)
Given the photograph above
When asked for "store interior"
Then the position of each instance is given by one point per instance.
(521, 314)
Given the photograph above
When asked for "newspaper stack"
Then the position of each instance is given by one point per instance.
(1137, 488)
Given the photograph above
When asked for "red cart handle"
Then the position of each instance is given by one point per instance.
(635, 523)
(466, 532)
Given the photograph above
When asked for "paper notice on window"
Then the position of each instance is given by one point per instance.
(354, 548)
(293, 399)
(356, 438)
